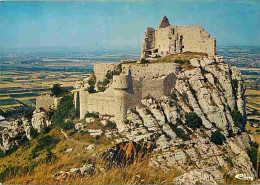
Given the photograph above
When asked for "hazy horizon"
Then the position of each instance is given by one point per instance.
(121, 24)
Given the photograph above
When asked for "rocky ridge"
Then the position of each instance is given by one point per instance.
(157, 128)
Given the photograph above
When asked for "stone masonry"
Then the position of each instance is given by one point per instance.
(167, 39)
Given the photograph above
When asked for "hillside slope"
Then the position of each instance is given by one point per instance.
(194, 135)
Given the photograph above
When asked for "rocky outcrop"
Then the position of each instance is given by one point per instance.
(87, 169)
(40, 121)
(20, 130)
(126, 153)
(211, 89)
(12, 136)
(196, 177)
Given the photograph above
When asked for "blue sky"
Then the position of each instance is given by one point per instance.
(118, 23)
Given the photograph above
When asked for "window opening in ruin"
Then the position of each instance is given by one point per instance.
(172, 31)
(149, 52)
(181, 46)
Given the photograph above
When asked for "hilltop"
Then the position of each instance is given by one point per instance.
(171, 118)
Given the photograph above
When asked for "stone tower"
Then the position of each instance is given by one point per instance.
(121, 84)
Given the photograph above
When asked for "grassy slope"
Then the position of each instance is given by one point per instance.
(136, 173)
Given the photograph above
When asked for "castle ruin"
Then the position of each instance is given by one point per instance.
(136, 81)
(167, 39)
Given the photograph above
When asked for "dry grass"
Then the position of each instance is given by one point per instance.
(137, 173)
(183, 56)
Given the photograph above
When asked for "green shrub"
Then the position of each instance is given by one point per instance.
(50, 157)
(181, 134)
(111, 125)
(13, 171)
(193, 120)
(43, 142)
(181, 61)
(57, 90)
(9, 152)
(65, 110)
(92, 80)
(29, 113)
(91, 89)
(235, 84)
(237, 118)
(33, 132)
(68, 126)
(173, 95)
(93, 115)
(144, 61)
(50, 114)
(217, 137)
(83, 132)
(252, 153)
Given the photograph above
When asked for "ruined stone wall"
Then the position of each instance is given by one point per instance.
(168, 39)
(171, 39)
(196, 39)
(100, 70)
(136, 82)
(45, 101)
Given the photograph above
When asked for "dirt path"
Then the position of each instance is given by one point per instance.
(72, 140)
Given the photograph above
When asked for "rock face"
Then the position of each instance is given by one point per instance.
(212, 90)
(20, 130)
(39, 121)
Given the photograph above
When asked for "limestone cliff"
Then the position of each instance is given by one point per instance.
(175, 130)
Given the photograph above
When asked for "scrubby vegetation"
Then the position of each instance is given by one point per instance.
(102, 85)
(193, 120)
(111, 125)
(93, 115)
(181, 134)
(92, 82)
(181, 61)
(237, 118)
(33, 133)
(57, 90)
(252, 153)
(144, 61)
(65, 110)
(29, 113)
(44, 142)
(235, 84)
(217, 137)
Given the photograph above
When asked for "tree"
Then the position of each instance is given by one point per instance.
(193, 120)
(217, 137)
(57, 90)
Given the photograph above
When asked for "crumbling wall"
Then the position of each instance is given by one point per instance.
(45, 101)
(136, 82)
(177, 39)
(101, 70)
